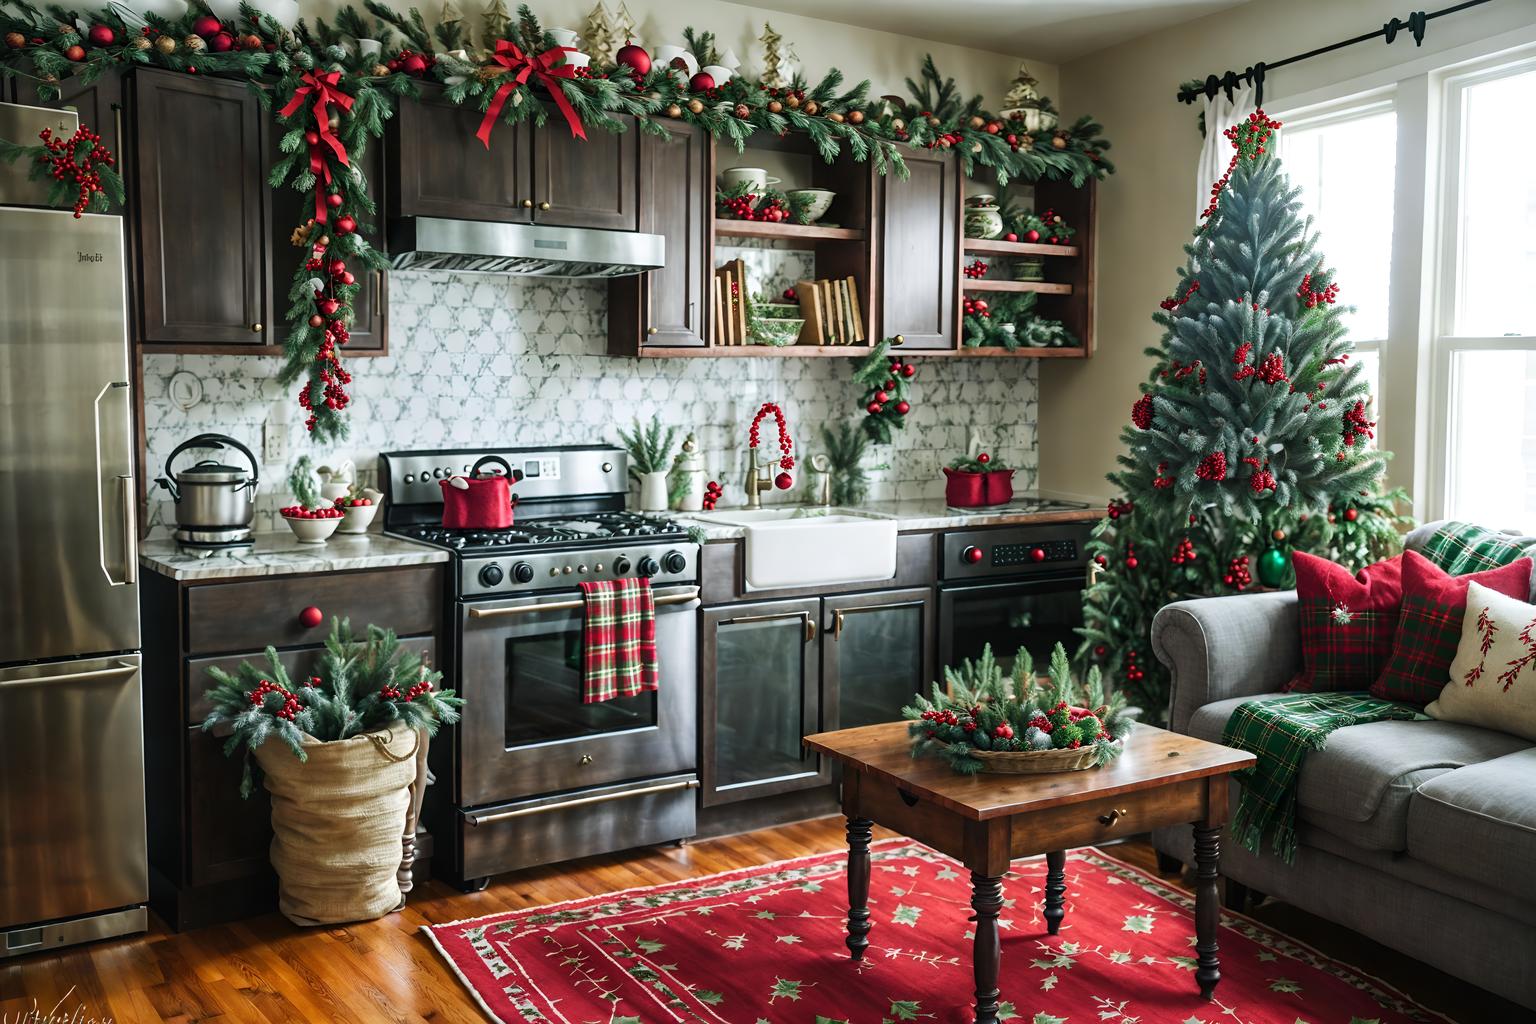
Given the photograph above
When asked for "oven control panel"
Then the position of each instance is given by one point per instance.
(533, 570)
(1014, 551)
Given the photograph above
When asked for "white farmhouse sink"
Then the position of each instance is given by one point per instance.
(807, 547)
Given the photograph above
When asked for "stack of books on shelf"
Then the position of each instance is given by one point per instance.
(729, 304)
(832, 312)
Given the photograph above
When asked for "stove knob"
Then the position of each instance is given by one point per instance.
(437, 473)
(621, 566)
(971, 554)
(1038, 554)
(649, 566)
(582, 568)
(410, 478)
(490, 575)
(522, 572)
(674, 561)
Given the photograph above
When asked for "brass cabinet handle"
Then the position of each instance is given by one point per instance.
(837, 625)
(256, 328)
(544, 206)
(810, 629)
(585, 759)
(899, 340)
(527, 204)
(650, 330)
(1109, 820)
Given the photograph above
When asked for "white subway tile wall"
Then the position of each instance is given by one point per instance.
(492, 361)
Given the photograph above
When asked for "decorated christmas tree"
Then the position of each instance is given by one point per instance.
(1251, 436)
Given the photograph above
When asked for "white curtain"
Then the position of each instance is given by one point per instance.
(1220, 114)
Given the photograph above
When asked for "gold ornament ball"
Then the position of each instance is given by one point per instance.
(323, 241)
(1279, 535)
(696, 106)
(165, 44)
(673, 110)
(380, 71)
(1059, 142)
(978, 123)
(898, 125)
(194, 43)
(250, 41)
(856, 116)
(811, 108)
(141, 43)
(15, 40)
(774, 106)
(835, 117)
(933, 122)
(792, 101)
(334, 121)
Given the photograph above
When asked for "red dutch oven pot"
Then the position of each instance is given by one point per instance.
(479, 501)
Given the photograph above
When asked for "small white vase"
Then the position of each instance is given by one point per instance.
(653, 492)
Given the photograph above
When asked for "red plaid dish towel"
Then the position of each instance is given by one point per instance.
(618, 640)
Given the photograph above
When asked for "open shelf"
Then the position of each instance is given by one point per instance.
(1043, 287)
(998, 247)
(1024, 352)
(762, 351)
(794, 234)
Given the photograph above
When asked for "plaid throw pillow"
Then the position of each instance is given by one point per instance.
(1429, 627)
(1347, 622)
(1460, 548)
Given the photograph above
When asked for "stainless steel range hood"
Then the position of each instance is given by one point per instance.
(485, 247)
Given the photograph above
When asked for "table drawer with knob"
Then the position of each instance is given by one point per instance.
(1070, 826)
(294, 610)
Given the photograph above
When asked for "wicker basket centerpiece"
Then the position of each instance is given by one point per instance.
(989, 720)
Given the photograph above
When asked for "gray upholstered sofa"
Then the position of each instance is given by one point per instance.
(1421, 835)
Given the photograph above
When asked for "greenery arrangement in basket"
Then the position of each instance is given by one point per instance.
(1010, 322)
(359, 686)
(986, 710)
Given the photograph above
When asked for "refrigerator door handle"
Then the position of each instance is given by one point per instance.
(120, 669)
(130, 554)
(130, 529)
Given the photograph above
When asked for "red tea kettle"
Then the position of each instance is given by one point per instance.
(480, 501)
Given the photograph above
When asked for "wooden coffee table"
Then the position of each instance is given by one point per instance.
(986, 821)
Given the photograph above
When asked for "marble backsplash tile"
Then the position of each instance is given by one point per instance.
(495, 361)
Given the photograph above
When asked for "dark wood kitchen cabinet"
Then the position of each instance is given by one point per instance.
(207, 846)
(876, 653)
(529, 175)
(920, 221)
(200, 210)
(668, 308)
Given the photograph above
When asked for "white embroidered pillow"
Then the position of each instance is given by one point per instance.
(1493, 679)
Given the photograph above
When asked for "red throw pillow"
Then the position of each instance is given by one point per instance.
(1429, 627)
(1347, 622)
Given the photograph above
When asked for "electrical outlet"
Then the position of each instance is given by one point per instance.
(274, 441)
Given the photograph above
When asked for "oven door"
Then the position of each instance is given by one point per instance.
(525, 729)
(1035, 614)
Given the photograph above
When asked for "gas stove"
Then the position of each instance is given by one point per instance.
(569, 524)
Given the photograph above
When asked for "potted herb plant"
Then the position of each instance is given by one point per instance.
(347, 771)
(651, 447)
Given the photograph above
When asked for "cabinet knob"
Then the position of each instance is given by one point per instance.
(650, 330)
(527, 204)
(899, 340)
(256, 328)
(543, 206)
(311, 617)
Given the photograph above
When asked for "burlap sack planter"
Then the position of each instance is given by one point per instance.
(338, 820)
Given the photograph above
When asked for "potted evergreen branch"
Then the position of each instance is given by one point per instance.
(347, 769)
(846, 445)
(977, 482)
(651, 447)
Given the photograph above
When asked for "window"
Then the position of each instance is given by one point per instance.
(1345, 163)
(1485, 349)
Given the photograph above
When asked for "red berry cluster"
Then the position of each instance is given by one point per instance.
(790, 295)
(1131, 561)
(1212, 467)
(1356, 425)
(713, 492)
(291, 706)
(786, 446)
(1262, 479)
(1119, 507)
(1134, 673)
(754, 207)
(1162, 481)
(944, 717)
(1311, 297)
(390, 692)
(1237, 576)
(1141, 412)
(1248, 138)
(1178, 371)
(312, 682)
(75, 160)
(1183, 552)
(411, 62)
(1173, 303)
(975, 270)
(300, 512)
(1004, 731)
(977, 307)
(1053, 223)
(346, 502)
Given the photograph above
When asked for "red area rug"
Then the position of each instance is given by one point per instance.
(765, 946)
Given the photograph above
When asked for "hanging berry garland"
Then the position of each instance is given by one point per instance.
(786, 461)
(78, 166)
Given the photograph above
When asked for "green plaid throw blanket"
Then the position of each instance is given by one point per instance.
(1460, 548)
(1280, 731)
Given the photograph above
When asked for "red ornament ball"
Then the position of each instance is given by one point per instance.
(1031, 235)
(347, 277)
(312, 138)
(333, 200)
(874, 408)
(75, 53)
(101, 35)
(908, 370)
(783, 481)
(1131, 563)
(345, 225)
(635, 58)
(882, 397)
(903, 408)
(983, 458)
(222, 42)
(311, 617)
(701, 82)
(1351, 514)
(328, 307)
(415, 64)
(317, 320)
(206, 25)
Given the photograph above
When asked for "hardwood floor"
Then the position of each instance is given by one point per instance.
(267, 971)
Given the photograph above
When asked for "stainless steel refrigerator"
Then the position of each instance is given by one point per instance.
(73, 864)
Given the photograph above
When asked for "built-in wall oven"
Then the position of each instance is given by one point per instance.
(1017, 587)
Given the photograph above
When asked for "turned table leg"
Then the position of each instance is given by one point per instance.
(859, 830)
(1207, 907)
(987, 901)
(1055, 890)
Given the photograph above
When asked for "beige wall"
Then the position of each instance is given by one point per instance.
(1146, 208)
(884, 58)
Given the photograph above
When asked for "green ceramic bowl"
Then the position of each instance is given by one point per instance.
(777, 332)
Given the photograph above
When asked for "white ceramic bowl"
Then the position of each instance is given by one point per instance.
(562, 36)
(284, 12)
(357, 518)
(312, 531)
(719, 72)
(819, 201)
(577, 59)
(167, 9)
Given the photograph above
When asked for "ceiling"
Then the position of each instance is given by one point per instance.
(1052, 30)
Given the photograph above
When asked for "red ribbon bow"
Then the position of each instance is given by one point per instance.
(520, 66)
(324, 87)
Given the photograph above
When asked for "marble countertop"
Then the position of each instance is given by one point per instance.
(280, 554)
(913, 515)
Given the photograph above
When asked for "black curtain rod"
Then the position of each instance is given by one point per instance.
(1415, 24)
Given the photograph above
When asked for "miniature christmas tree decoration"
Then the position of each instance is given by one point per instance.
(773, 73)
(624, 29)
(597, 35)
(498, 22)
(1023, 102)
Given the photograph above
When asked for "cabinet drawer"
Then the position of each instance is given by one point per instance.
(1096, 821)
(297, 663)
(252, 615)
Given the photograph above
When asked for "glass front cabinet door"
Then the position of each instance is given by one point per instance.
(877, 652)
(762, 692)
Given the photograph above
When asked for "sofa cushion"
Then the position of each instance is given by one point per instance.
(1347, 622)
(1359, 786)
(1493, 676)
(1480, 822)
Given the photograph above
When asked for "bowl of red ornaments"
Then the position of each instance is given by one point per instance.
(312, 525)
(357, 512)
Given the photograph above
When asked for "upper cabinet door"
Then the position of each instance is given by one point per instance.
(201, 225)
(440, 169)
(920, 252)
(589, 184)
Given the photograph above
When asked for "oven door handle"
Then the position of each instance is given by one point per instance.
(523, 812)
(974, 589)
(681, 597)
